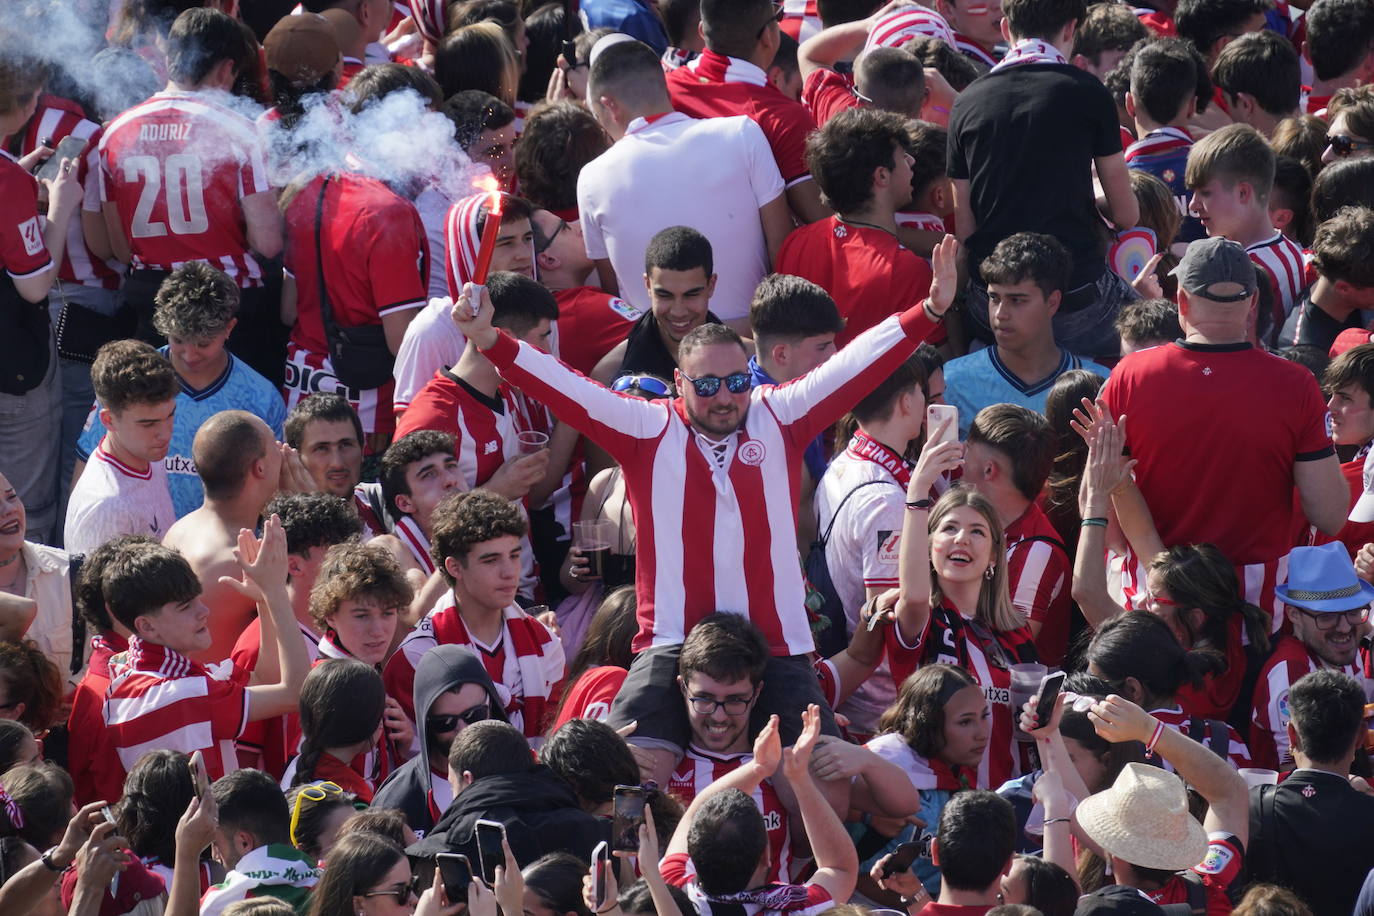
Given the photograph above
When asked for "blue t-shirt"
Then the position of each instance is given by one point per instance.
(1163, 153)
(238, 388)
(629, 16)
(980, 380)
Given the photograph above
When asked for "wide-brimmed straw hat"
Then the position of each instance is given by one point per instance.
(1143, 819)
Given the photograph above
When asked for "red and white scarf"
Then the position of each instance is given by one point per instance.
(1031, 51)
(870, 449)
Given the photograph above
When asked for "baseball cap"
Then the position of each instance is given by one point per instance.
(1213, 261)
(1119, 900)
(1349, 339)
(302, 48)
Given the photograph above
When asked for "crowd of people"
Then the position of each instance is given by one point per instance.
(686, 457)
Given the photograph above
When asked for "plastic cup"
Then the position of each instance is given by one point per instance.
(1025, 683)
(593, 538)
(532, 441)
(1258, 776)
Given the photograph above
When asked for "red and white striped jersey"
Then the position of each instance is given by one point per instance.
(1269, 715)
(1038, 578)
(1283, 260)
(408, 531)
(1126, 576)
(526, 664)
(800, 19)
(160, 699)
(273, 741)
(699, 768)
(973, 50)
(716, 536)
(898, 27)
(178, 167)
(54, 120)
(1182, 722)
(484, 429)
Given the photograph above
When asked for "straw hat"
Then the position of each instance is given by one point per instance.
(1143, 819)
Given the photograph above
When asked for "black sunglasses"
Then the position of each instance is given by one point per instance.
(778, 13)
(542, 242)
(1343, 146)
(440, 724)
(570, 55)
(708, 385)
(401, 893)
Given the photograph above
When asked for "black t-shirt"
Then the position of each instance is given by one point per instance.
(1025, 138)
(645, 350)
(1309, 326)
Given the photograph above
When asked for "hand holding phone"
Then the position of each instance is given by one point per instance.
(601, 860)
(455, 870)
(1046, 698)
(200, 777)
(937, 414)
(629, 817)
(70, 148)
(491, 848)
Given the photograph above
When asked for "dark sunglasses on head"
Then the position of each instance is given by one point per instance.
(1343, 146)
(778, 13)
(708, 385)
(440, 724)
(646, 383)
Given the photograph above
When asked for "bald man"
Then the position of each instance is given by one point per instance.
(240, 466)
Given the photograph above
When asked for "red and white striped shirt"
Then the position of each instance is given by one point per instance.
(738, 521)
(484, 428)
(699, 768)
(526, 664)
(800, 19)
(1283, 260)
(1182, 722)
(178, 167)
(1038, 576)
(160, 699)
(408, 532)
(1269, 715)
(972, 49)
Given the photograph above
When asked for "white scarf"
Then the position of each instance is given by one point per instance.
(1031, 51)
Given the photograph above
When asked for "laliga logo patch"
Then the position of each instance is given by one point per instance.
(1218, 857)
(624, 309)
(752, 453)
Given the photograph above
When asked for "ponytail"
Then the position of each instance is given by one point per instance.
(1139, 645)
(342, 701)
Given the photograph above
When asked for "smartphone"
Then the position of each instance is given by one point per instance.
(903, 857)
(570, 54)
(1049, 692)
(491, 837)
(69, 148)
(456, 872)
(936, 414)
(200, 777)
(601, 860)
(629, 815)
(106, 813)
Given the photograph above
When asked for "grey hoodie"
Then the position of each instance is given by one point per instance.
(408, 789)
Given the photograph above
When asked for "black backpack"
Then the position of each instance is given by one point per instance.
(834, 635)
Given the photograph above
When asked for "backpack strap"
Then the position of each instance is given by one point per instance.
(1214, 733)
(825, 538)
(1197, 892)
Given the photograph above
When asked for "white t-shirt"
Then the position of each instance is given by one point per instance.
(112, 498)
(712, 175)
(433, 206)
(432, 341)
(862, 553)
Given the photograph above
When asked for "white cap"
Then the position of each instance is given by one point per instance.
(1364, 506)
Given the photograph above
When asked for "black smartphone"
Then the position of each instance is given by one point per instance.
(629, 815)
(456, 872)
(1049, 692)
(570, 54)
(903, 857)
(491, 851)
(601, 860)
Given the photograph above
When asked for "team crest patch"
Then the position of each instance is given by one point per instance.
(888, 542)
(624, 309)
(1331, 428)
(752, 453)
(840, 231)
(1216, 861)
(32, 235)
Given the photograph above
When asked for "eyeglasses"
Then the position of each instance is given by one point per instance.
(1327, 621)
(1166, 602)
(1342, 146)
(315, 792)
(708, 385)
(778, 13)
(401, 892)
(541, 243)
(440, 724)
(647, 383)
(735, 706)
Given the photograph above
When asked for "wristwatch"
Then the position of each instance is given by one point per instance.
(49, 864)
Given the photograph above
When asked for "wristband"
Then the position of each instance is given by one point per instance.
(1154, 738)
(1058, 820)
(1093, 523)
(930, 312)
(921, 504)
(49, 864)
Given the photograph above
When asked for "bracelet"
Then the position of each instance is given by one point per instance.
(1058, 820)
(930, 312)
(1095, 522)
(921, 504)
(1154, 738)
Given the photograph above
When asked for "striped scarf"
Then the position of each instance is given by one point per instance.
(277, 870)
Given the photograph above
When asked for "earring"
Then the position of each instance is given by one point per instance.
(988, 573)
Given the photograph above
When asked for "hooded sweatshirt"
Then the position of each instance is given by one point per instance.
(410, 788)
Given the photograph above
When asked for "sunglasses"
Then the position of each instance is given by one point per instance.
(570, 55)
(778, 13)
(708, 385)
(1327, 620)
(1343, 146)
(401, 893)
(542, 243)
(314, 792)
(441, 724)
(646, 383)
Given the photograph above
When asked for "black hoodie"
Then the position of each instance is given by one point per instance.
(441, 669)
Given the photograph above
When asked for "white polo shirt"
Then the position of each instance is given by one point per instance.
(712, 175)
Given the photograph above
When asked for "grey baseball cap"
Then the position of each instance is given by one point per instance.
(1212, 261)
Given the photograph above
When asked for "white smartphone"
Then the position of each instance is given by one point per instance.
(601, 858)
(937, 414)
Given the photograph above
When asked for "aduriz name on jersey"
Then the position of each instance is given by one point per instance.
(160, 132)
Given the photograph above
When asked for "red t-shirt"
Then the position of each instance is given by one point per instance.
(1219, 692)
(23, 252)
(716, 86)
(828, 93)
(94, 766)
(866, 271)
(591, 697)
(1039, 578)
(1218, 871)
(274, 740)
(178, 167)
(1353, 535)
(1217, 432)
(375, 255)
(331, 768)
(590, 324)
